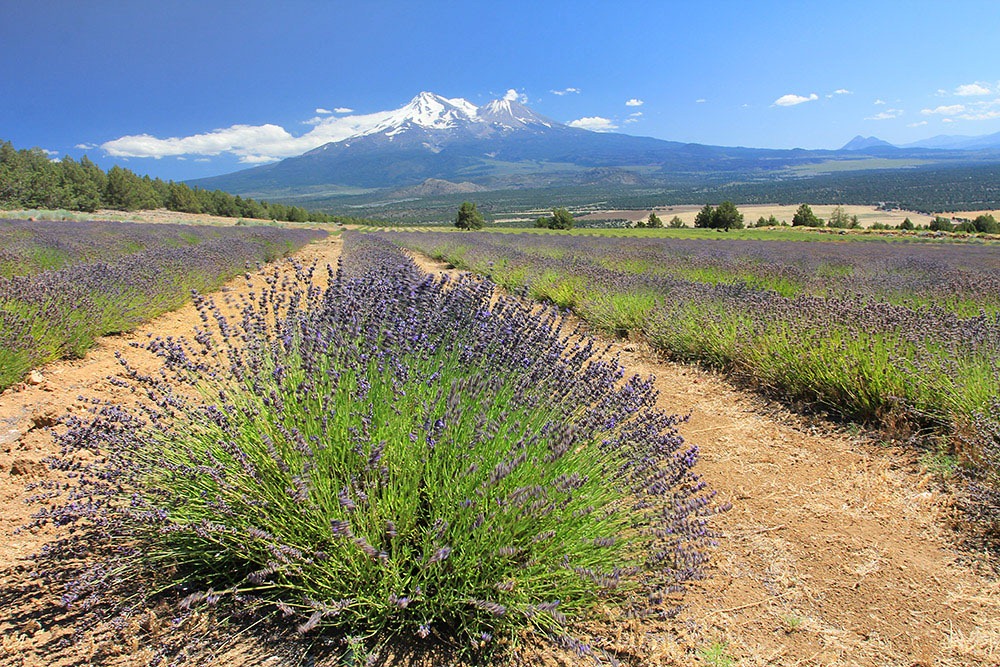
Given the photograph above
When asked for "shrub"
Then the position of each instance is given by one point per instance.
(804, 217)
(395, 454)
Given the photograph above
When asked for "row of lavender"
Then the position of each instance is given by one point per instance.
(111, 277)
(961, 278)
(30, 247)
(849, 348)
(395, 453)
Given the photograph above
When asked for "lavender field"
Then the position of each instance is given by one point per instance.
(881, 333)
(393, 455)
(63, 284)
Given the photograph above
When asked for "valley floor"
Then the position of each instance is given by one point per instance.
(835, 551)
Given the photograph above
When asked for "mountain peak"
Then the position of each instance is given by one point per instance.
(432, 111)
(511, 114)
(860, 143)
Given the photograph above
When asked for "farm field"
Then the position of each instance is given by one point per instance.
(903, 337)
(63, 284)
(860, 328)
(835, 551)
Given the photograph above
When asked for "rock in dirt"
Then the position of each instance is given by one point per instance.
(44, 419)
(27, 467)
(8, 437)
(34, 377)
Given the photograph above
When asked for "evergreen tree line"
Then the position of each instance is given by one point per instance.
(30, 179)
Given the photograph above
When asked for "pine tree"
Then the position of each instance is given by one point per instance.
(468, 217)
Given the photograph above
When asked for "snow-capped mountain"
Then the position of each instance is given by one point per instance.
(430, 120)
(451, 143)
(427, 111)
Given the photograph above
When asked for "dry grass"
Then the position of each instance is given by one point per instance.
(867, 215)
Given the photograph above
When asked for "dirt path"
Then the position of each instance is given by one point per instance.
(835, 552)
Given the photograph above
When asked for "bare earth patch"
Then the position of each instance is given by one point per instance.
(835, 552)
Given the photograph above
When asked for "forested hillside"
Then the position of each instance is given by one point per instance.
(31, 179)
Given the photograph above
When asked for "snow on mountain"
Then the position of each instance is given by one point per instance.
(429, 113)
(511, 114)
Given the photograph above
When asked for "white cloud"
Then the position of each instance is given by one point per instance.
(513, 96)
(972, 89)
(241, 140)
(257, 159)
(635, 114)
(594, 123)
(250, 143)
(343, 110)
(85, 147)
(949, 110)
(877, 102)
(203, 159)
(634, 102)
(50, 153)
(565, 91)
(700, 100)
(981, 115)
(791, 100)
(888, 114)
(947, 120)
(321, 110)
(919, 123)
(842, 91)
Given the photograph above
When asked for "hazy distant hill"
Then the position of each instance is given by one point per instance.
(860, 143)
(959, 142)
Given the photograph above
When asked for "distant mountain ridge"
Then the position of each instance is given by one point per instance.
(958, 142)
(940, 142)
(435, 144)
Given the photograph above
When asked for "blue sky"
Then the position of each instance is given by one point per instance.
(223, 77)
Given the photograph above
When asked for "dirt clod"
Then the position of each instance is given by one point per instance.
(28, 468)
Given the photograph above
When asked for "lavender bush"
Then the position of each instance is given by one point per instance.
(395, 454)
(63, 284)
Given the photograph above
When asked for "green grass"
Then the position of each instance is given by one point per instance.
(716, 654)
